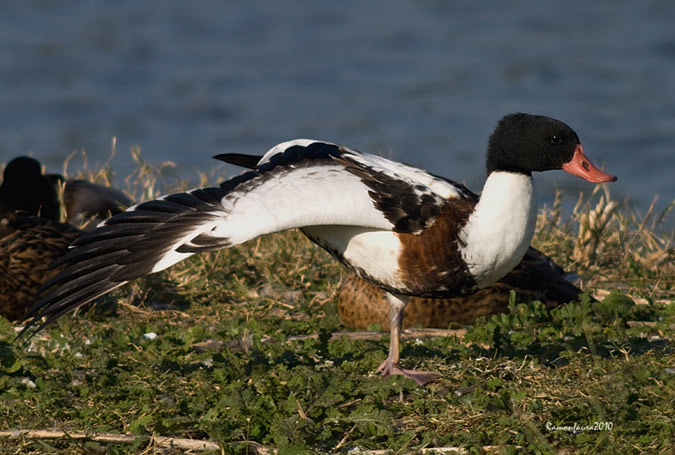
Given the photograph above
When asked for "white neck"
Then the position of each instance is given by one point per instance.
(501, 227)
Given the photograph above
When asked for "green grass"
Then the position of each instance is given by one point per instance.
(506, 383)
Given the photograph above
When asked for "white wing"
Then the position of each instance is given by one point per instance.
(308, 190)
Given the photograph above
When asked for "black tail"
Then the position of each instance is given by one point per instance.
(239, 159)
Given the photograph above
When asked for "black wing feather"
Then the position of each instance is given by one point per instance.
(124, 247)
(409, 208)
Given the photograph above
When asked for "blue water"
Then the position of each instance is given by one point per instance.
(422, 81)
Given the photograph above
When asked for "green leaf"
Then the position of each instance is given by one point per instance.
(139, 426)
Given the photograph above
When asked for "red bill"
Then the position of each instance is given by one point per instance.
(580, 166)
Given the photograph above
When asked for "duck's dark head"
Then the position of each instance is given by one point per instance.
(25, 188)
(525, 143)
(22, 168)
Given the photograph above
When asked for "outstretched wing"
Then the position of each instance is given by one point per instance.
(296, 184)
(305, 187)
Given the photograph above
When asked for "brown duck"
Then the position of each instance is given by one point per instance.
(28, 246)
(24, 187)
(84, 200)
(537, 277)
(30, 243)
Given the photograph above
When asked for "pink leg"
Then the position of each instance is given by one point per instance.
(391, 366)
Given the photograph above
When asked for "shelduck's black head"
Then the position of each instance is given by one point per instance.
(524, 143)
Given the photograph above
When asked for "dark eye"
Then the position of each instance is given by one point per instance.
(556, 139)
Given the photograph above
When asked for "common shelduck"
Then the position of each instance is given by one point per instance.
(409, 232)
